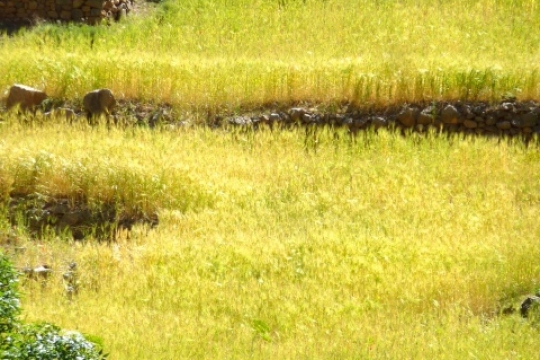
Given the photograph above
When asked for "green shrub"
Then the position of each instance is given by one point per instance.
(46, 341)
(35, 341)
(9, 297)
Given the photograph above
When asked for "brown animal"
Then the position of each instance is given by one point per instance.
(99, 102)
(26, 97)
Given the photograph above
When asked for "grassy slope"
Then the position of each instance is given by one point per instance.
(228, 53)
(386, 247)
(383, 248)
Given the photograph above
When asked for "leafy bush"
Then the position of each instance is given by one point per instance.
(46, 341)
(9, 297)
(35, 341)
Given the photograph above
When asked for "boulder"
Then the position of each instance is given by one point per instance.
(427, 115)
(274, 117)
(450, 115)
(407, 117)
(297, 113)
(24, 96)
(99, 102)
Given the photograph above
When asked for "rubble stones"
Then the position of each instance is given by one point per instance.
(87, 11)
(71, 217)
(508, 119)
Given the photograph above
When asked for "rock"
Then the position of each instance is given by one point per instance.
(450, 115)
(296, 114)
(99, 102)
(379, 122)
(470, 124)
(526, 120)
(77, 15)
(24, 96)
(95, 4)
(504, 125)
(507, 106)
(357, 124)
(274, 117)
(307, 118)
(528, 304)
(490, 120)
(108, 5)
(426, 116)
(407, 117)
(264, 119)
(40, 272)
(491, 129)
(467, 111)
(345, 120)
(240, 120)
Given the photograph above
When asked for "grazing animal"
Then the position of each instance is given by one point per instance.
(99, 102)
(26, 97)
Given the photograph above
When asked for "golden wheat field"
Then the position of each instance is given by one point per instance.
(272, 245)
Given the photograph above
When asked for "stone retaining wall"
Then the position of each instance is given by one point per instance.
(509, 118)
(87, 11)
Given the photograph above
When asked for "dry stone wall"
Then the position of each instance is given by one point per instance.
(508, 118)
(86, 11)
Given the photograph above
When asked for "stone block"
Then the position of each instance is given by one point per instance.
(77, 14)
(95, 4)
(65, 15)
